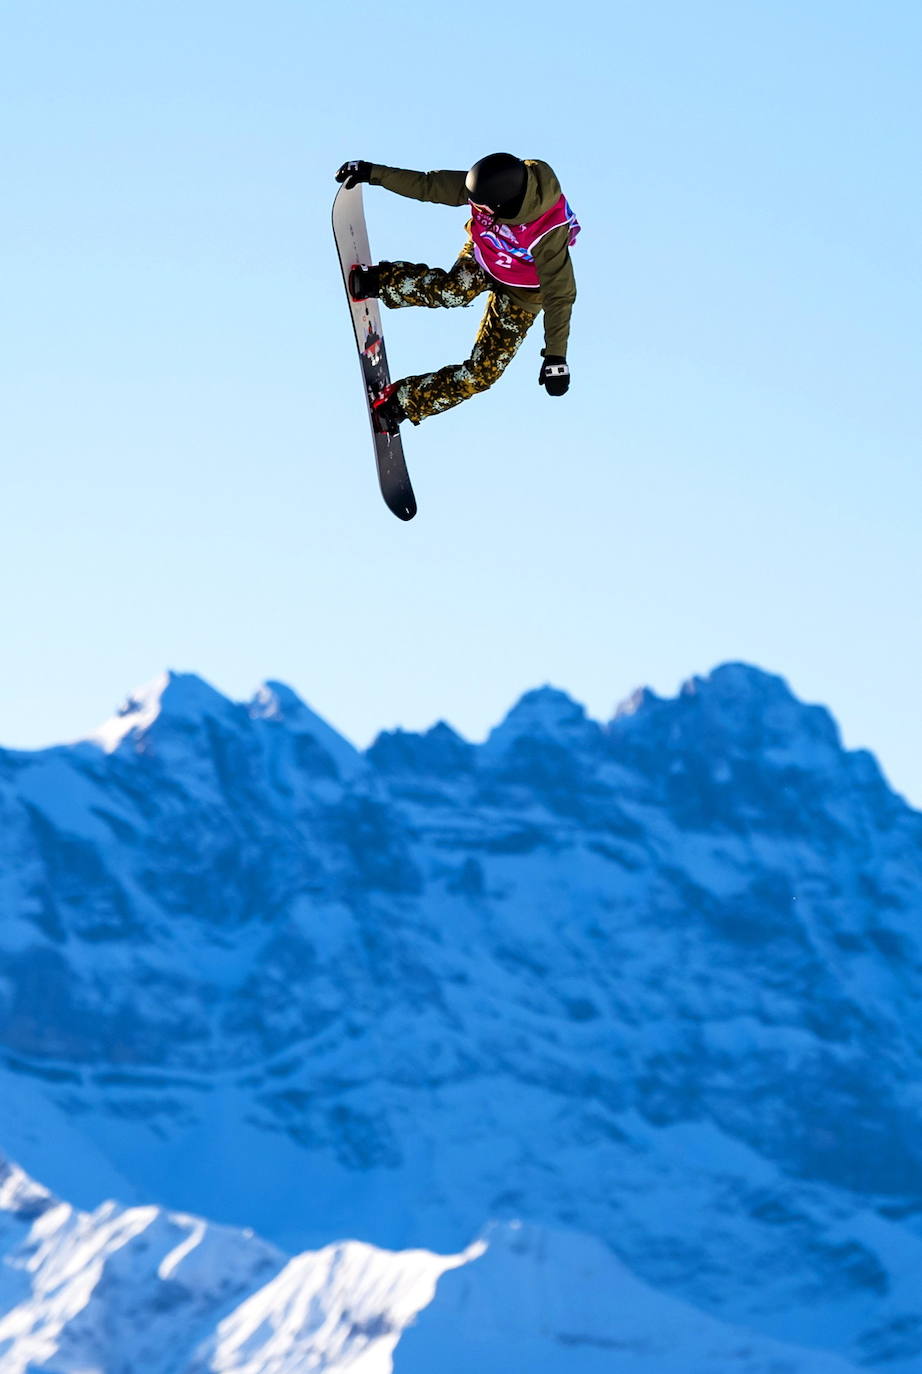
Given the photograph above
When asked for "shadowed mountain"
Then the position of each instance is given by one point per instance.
(654, 980)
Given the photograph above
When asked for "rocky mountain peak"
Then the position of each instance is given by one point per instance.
(440, 751)
(171, 702)
(276, 701)
(545, 715)
(738, 742)
(278, 707)
(734, 709)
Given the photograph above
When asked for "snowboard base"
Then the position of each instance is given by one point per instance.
(351, 236)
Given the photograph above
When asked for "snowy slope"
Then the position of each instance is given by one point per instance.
(123, 1291)
(654, 981)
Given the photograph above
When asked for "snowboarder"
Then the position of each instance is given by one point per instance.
(518, 249)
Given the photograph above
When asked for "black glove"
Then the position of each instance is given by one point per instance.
(351, 173)
(554, 376)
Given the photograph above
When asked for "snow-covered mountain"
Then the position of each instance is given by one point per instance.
(652, 983)
(131, 1289)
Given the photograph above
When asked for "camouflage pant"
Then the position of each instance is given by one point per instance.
(502, 329)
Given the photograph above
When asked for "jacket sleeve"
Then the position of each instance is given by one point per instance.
(558, 289)
(440, 188)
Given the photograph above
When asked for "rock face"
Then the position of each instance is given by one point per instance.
(654, 981)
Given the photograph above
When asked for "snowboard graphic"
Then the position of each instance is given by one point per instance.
(352, 245)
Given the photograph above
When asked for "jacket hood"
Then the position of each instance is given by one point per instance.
(542, 190)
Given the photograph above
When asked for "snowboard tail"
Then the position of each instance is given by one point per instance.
(351, 237)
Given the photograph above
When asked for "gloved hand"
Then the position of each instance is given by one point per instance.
(554, 376)
(351, 173)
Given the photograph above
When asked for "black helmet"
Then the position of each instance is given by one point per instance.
(499, 182)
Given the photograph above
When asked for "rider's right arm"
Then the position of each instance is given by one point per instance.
(439, 188)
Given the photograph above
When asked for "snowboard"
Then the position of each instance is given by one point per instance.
(352, 245)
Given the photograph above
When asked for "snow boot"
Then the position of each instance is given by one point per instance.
(387, 412)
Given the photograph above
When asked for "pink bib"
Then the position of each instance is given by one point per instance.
(505, 250)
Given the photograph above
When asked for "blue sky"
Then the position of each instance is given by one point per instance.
(187, 472)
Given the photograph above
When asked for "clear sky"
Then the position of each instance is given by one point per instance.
(735, 474)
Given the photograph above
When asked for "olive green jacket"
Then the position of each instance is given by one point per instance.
(552, 253)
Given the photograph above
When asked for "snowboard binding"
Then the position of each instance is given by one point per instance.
(387, 414)
(363, 282)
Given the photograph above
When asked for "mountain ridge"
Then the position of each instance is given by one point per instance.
(132, 1289)
(626, 978)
